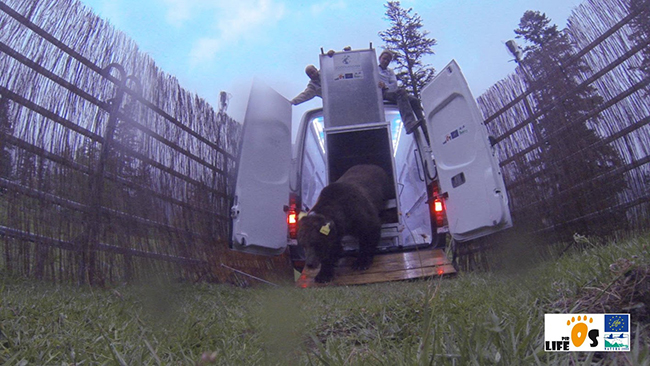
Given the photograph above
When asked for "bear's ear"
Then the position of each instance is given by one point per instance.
(325, 229)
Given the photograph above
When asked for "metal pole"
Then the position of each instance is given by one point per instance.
(248, 275)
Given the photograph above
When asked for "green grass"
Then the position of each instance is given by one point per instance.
(472, 319)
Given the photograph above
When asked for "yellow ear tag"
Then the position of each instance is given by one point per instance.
(325, 229)
(301, 215)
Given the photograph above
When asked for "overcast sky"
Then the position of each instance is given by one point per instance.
(215, 45)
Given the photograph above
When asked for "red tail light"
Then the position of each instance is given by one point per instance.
(292, 216)
(292, 220)
(437, 205)
(437, 208)
(439, 212)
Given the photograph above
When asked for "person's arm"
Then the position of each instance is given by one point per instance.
(392, 80)
(387, 80)
(308, 94)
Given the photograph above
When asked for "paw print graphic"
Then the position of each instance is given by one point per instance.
(579, 330)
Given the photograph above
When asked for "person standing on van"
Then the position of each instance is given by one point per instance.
(408, 104)
(313, 88)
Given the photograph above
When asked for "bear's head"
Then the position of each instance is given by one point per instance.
(318, 236)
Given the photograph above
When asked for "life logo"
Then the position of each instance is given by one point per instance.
(586, 332)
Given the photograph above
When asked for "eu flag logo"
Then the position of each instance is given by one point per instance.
(617, 323)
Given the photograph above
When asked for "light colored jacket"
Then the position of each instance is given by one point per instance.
(389, 78)
(312, 90)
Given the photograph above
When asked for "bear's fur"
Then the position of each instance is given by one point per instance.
(349, 206)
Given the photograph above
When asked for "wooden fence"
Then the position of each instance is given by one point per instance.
(110, 171)
(616, 194)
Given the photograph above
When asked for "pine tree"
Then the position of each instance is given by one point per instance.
(409, 44)
(536, 28)
(574, 159)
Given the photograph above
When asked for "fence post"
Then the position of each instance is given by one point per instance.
(92, 230)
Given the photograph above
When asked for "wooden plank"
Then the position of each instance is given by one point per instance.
(395, 262)
(364, 278)
(385, 267)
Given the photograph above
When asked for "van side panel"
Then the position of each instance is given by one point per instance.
(262, 188)
(470, 178)
(413, 196)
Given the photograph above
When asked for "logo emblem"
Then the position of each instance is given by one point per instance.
(617, 332)
(586, 332)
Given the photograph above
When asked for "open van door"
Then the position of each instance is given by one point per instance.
(468, 171)
(262, 189)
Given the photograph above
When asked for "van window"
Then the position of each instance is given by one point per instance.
(317, 126)
(314, 162)
(392, 115)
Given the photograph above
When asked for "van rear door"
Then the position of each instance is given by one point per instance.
(468, 171)
(259, 223)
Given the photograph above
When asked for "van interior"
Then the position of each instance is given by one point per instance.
(406, 217)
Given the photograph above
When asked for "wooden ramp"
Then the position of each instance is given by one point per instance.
(385, 267)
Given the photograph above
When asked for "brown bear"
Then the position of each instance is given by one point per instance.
(349, 206)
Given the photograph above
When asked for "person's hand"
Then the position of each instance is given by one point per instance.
(382, 85)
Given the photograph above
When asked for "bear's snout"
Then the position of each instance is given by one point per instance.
(312, 263)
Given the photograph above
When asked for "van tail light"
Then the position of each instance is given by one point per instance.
(292, 221)
(439, 212)
(292, 218)
(293, 215)
(437, 206)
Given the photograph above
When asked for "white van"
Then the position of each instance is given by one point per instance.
(445, 182)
